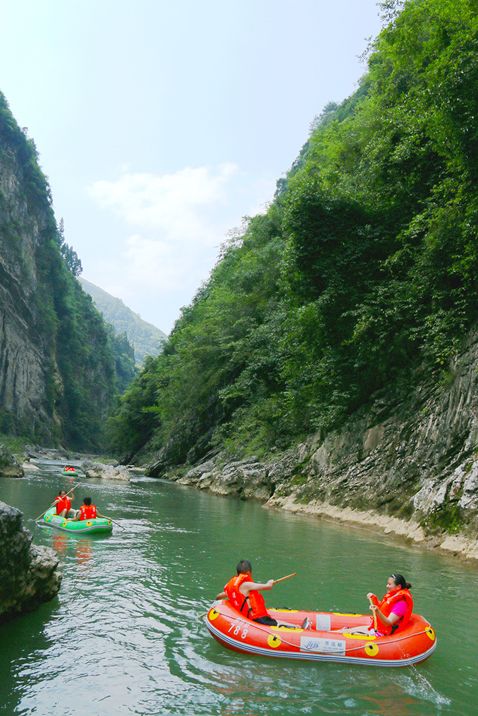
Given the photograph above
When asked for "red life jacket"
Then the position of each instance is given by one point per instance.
(87, 512)
(386, 607)
(64, 503)
(253, 606)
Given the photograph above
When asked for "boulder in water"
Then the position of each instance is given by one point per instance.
(105, 471)
(9, 466)
(29, 574)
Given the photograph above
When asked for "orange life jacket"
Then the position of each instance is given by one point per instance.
(386, 607)
(253, 606)
(87, 512)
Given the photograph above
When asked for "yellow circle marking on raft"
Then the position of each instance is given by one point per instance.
(371, 649)
(430, 632)
(213, 614)
(64, 523)
(88, 524)
(273, 641)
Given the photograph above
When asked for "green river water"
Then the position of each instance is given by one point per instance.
(124, 634)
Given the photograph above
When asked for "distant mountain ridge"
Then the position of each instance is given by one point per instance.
(145, 338)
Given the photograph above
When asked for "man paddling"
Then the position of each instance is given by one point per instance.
(243, 593)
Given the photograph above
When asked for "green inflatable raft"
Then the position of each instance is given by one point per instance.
(98, 525)
(69, 473)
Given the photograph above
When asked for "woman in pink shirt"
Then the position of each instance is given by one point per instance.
(392, 612)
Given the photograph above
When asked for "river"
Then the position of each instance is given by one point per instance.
(124, 634)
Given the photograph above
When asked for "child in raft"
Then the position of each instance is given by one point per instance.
(391, 613)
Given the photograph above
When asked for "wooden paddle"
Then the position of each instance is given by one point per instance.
(374, 615)
(287, 576)
(48, 508)
(109, 518)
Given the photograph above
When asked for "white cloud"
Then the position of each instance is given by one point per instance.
(174, 204)
(174, 225)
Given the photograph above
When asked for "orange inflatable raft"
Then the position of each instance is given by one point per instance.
(321, 641)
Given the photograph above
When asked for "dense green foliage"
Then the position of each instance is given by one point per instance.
(84, 366)
(364, 268)
(145, 338)
(123, 352)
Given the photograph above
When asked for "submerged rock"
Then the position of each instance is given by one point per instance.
(29, 574)
(9, 466)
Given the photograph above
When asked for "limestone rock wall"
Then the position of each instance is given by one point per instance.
(25, 360)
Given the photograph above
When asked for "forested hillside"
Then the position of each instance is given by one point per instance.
(60, 370)
(362, 275)
(145, 338)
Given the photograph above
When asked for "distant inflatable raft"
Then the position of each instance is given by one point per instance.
(98, 525)
(321, 642)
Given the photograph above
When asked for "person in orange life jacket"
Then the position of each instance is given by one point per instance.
(243, 593)
(87, 511)
(394, 610)
(62, 504)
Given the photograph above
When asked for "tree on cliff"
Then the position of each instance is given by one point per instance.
(69, 254)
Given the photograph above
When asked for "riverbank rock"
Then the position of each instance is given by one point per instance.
(9, 466)
(245, 478)
(410, 458)
(105, 471)
(29, 574)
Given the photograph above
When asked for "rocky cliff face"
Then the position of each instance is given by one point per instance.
(23, 358)
(57, 371)
(28, 574)
(409, 465)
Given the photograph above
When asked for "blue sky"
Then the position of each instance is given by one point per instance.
(161, 123)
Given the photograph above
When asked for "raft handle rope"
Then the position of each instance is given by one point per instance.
(352, 648)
